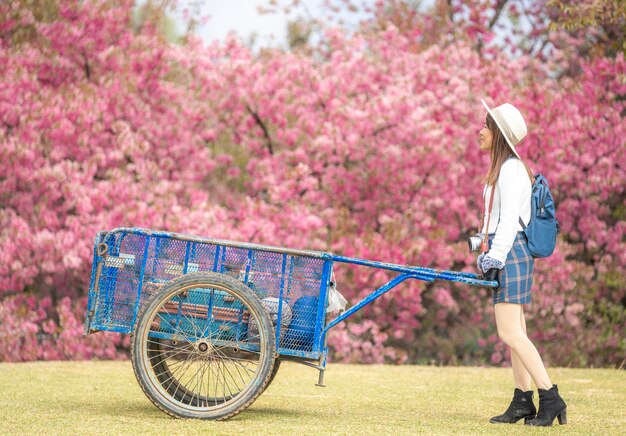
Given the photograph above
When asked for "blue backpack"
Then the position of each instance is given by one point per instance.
(543, 227)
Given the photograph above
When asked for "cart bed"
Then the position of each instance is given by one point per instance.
(130, 265)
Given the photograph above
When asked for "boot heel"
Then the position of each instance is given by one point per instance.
(528, 418)
(562, 417)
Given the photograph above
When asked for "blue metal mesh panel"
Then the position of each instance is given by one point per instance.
(137, 265)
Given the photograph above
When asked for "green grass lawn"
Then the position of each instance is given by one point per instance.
(104, 398)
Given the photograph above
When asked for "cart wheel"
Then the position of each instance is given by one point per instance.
(274, 371)
(273, 374)
(191, 351)
(158, 356)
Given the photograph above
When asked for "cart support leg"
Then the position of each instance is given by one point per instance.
(322, 370)
(320, 381)
(322, 363)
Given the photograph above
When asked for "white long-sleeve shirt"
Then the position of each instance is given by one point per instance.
(511, 201)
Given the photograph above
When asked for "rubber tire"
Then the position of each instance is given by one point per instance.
(274, 371)
(266, 342)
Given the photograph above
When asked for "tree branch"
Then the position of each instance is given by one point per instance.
(596, 160)
(261, 124)
(86, 67)
(499, 7)
(383, 128)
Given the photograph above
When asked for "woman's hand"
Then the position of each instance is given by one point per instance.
(479, 261)
(484, 263)
(488, 263)
(490, 267)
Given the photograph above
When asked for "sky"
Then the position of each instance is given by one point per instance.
(243, 18)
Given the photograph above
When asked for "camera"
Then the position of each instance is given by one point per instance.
(474, 242)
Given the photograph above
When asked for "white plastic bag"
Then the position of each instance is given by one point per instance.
(336, 302)
(271, 305)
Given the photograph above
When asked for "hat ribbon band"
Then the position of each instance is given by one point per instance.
(505, 126)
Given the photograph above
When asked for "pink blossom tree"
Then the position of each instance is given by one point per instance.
(364, 145)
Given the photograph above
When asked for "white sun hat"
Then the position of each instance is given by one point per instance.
(511, 123)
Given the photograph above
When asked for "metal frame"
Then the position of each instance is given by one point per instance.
(319, 348)
(106, 244)
(214, 241)
(407, 272)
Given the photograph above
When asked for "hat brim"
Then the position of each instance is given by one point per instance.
(501, 128)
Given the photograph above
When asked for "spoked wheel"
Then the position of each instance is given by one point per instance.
(274, 371)
(192, 352)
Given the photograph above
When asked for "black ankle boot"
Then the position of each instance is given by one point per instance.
(521, 407)
(551, 406)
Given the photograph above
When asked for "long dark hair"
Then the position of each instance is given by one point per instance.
(500, 152)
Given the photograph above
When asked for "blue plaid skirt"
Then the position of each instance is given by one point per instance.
(516, 278)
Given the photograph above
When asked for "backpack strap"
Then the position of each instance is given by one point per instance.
(538, 179)
(485, 244)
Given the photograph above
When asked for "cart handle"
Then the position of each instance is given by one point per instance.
(454, 276)
(407, 272)
(374, 295)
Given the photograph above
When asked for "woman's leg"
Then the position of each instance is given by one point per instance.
(511, 331)
(521, 376)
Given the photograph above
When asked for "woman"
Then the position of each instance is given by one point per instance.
(508, 190)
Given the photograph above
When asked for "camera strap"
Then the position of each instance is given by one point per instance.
(485, 244)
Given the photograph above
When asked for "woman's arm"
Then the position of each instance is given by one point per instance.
(511, 187)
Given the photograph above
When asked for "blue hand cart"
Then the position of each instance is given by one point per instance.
(210, 320)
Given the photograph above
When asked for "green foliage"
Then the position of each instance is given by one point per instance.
(28, 13)
(298, 33)
(606, 17)
(154, 13)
